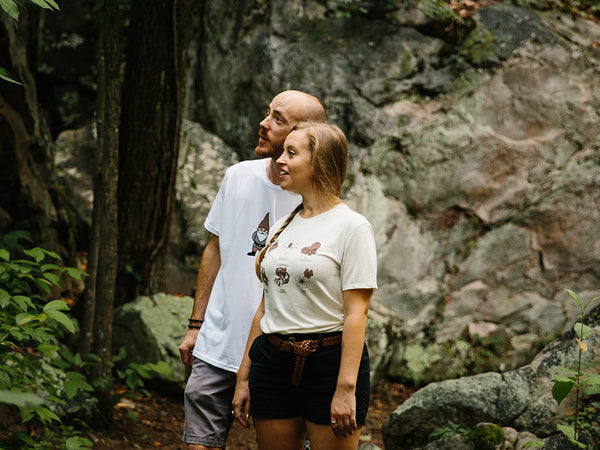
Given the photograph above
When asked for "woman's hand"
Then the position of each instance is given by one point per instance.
(241, 398)
(343, 411)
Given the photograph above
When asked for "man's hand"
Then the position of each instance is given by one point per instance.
(187, 347)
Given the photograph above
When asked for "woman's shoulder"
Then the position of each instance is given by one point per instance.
(350, 217)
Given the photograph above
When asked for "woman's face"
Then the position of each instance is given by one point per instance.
(296, 170)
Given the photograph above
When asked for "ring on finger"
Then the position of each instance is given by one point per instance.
(333, 422)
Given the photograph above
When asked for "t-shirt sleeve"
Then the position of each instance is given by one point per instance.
(213, 220)
(358, 269)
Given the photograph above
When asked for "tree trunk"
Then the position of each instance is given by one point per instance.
(102, 258)
(153, 101)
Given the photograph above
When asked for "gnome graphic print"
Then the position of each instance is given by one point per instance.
(259, 236)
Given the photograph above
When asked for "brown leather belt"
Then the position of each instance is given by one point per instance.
(302, 349)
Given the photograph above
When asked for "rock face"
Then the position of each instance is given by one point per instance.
(474, 154)
(520, 399)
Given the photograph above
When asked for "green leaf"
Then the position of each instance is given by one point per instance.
(47, 349)
(45, 415)
(48, 267)
(47, 4)
(582, 331)
(569, 431)
(537, 444)
(564, 379)
(10, 8)
(24, 303)
(36, 253)
(52, 278)
(162, 368)
(62, 318)
(592, 389)
(575, 297)
(51, 254)
(41, 4)
(561, 389)
(4, 254)
(21, 399)
(592, 300)
(78, 274)
(24, 319)
(74, 382)
(4, 298)
(56, 305)
(78, 443)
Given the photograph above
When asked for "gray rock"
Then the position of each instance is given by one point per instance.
(151, 329)
(521, 399)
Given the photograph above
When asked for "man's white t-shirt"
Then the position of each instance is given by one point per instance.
(242, 214)
(308, 266)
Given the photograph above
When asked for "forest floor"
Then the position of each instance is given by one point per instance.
(159, 420)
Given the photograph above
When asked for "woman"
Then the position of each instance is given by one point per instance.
(306, 366)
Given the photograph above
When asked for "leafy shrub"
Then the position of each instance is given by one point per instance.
(34, 375)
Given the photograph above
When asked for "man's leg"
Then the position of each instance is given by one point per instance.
(207, 401)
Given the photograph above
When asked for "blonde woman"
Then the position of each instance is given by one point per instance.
(306, 366)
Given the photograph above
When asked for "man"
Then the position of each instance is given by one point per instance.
(228, 293)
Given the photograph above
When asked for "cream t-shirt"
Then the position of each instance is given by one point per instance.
(308, 266)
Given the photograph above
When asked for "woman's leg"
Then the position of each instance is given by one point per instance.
(280, 434)
(322, 438)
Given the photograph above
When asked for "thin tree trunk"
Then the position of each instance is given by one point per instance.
(103, 254)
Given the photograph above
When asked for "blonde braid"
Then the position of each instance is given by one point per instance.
(261, 254)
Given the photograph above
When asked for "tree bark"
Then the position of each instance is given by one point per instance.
(153, 102)
(102, 259)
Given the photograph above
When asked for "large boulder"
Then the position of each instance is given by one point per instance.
(521, 399)
(151, 329)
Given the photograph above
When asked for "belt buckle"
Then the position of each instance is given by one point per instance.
(286, 346)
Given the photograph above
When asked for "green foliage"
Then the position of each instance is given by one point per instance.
(453, 429)
(31, 326)
(39, 374)
(11, 7)
(566, 379)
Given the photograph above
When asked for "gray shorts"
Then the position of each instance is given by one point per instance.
(207, 399)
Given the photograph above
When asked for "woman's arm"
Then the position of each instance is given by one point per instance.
(241, 398)
(343, 405)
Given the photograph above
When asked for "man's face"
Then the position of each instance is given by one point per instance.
(274, 128)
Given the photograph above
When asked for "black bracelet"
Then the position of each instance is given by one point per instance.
(194, 327)
(195, 320)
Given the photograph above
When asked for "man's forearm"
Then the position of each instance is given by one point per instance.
(209, 267)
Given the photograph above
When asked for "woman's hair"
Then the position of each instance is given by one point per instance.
(329, 156)
(329, 153)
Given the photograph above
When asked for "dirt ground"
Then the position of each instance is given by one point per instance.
(160, 418)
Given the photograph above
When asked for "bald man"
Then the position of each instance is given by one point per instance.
(228, 293)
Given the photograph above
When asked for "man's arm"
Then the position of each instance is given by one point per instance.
(209, 267)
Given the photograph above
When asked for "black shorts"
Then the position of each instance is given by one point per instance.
(272, 395)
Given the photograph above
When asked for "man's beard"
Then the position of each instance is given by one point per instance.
(268, 151)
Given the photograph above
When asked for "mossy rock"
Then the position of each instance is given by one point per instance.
(486, 436)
